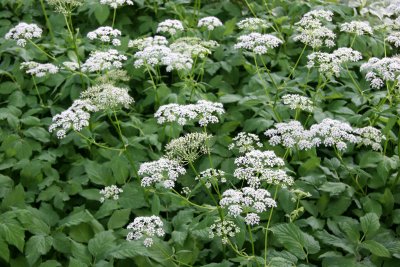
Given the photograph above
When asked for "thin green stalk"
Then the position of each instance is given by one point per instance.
(190, 202)
(47, 21)
(37, 91)
(157, 103)
(251, 240)
(355, 179)
(352, 41)
(114, 15)
(251, 9)
(354, 81)
(267, 228)
(41, 50)
(297, 62)
(97, 144)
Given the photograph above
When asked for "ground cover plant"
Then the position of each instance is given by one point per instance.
(199, 133)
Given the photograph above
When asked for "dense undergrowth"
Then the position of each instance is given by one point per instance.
(199, 133)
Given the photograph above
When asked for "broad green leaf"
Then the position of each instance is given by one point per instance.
(14, 234)
(50, 263)
(101, 244)
(36, 246)
(76, 263)
(4, 251)
(376, 248)
(370, 224)
(332, 240)
(101, 12)
(119, 218)
(130, 249)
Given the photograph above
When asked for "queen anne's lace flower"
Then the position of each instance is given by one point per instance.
(70, 65)
(356, 27)
(298, 102)
(146, 228)
(38, 69)
(108, 96)
(75, 117)
(164, 171)
(209, 22)
(107, 60)
(188, 148)
(203, 111)
(245, 142)
(223, 229)
(252, 24)
(370, 136)
(177, 61)
(151, 55)
(257, 43)
(249, 201)
(193, 47)
(105, 35)
(331, 63)
(211, 177)
(65, 6)
(116, 3)
(171, 26)
(110, 192)
(394, 38)
(258, 166)
(380, 70)
(22, 32)
(311, 30)
(142, 43)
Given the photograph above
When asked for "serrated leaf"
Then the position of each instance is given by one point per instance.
(13, 233)
(370, 224)
(332, 240)
(36, 246)
(76, 263)
(119, 218)
(376, 248)
(130, 249)
(101, 244)
(4, 251)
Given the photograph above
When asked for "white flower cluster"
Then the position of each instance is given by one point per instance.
(142, 43)
(356, 27)
(295, 101)
(177, 61)
(75, 117)
(249, 201)
(331, 63)
(223, 229)
(164, 171)
(245, 142)
(261, 166)
(22, 32)
(257, 43)
(193, 47)
(65, 6)
(70, 65)
(105, 35)
(211, 176)
(103, 60)
(328, 132)
(380, 70)
(116, 3)
(203, 111)
(252, 24)
(394, 38)
(188, 148)
(110, 192)
(171, 26)
(145, 227)
(291, 134)
(311, 30)
(38, 69)
(107, 96)
(209, 22)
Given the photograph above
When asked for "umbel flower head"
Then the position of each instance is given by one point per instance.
(211, 177)
(311, 30)
(209, 22)
(394, 38)
(103, 60)
(110, 192)
(249, 201)
(295, 101)
(245, 142)
(356, 27)
(223, 229)
(142, 43)
(258, 166)
(65, 6)
(171, 26)
(205, 112)
(22, 32)
(163, 171)
(330, 64)
(146, 228)
(381, 70)
(257, 43)
(193, 47)
(38, 69)
(188, 148)
(116, 3)
(108, 96)
(105, 35)
(75, 117)
(252, 24)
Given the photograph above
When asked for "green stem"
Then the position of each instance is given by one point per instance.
(114, 15)
(41, 50)
(47, 21)
(354, 81)
(157, 103)
(251, 9)
(97, 144)
(190, 202)
(251, 240)
(352, 41)
(297, 62)
(37, 91)
(267, 228)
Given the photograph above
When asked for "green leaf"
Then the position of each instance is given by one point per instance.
(130, 249)
(50, 263)
(76, 263)
(101, 244)
(80, 252)
(13, 234)
(38, 133)
(15, 198)
(36, 246)
(101, 13)
(376, 248)
(295, 241)
(333, 188)
(370, 224)
(332, 240)
(76, 218)
(4, 251)
(119, 218)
